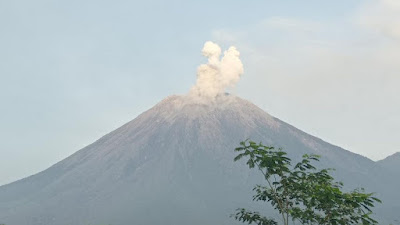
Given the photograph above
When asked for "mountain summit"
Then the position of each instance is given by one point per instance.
(173, 165)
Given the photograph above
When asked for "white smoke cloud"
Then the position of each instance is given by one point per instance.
(219, 73)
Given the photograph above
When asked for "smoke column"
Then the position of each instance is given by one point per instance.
(219, 73)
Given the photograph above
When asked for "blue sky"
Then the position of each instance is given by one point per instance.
(72, 71)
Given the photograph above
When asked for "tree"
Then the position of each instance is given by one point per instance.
(301, 192)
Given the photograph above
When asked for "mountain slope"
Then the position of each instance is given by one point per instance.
(391, 162)
(173, 164)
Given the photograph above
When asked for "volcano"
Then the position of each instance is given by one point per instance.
(173, 165)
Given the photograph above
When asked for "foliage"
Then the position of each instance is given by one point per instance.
(301, 192)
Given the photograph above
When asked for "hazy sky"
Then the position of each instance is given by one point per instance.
(72, 71)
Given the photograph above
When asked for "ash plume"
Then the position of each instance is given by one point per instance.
(219, 73)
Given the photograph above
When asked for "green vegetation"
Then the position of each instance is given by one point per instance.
(301, 193)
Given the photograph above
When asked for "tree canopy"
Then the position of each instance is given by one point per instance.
(300, 192)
